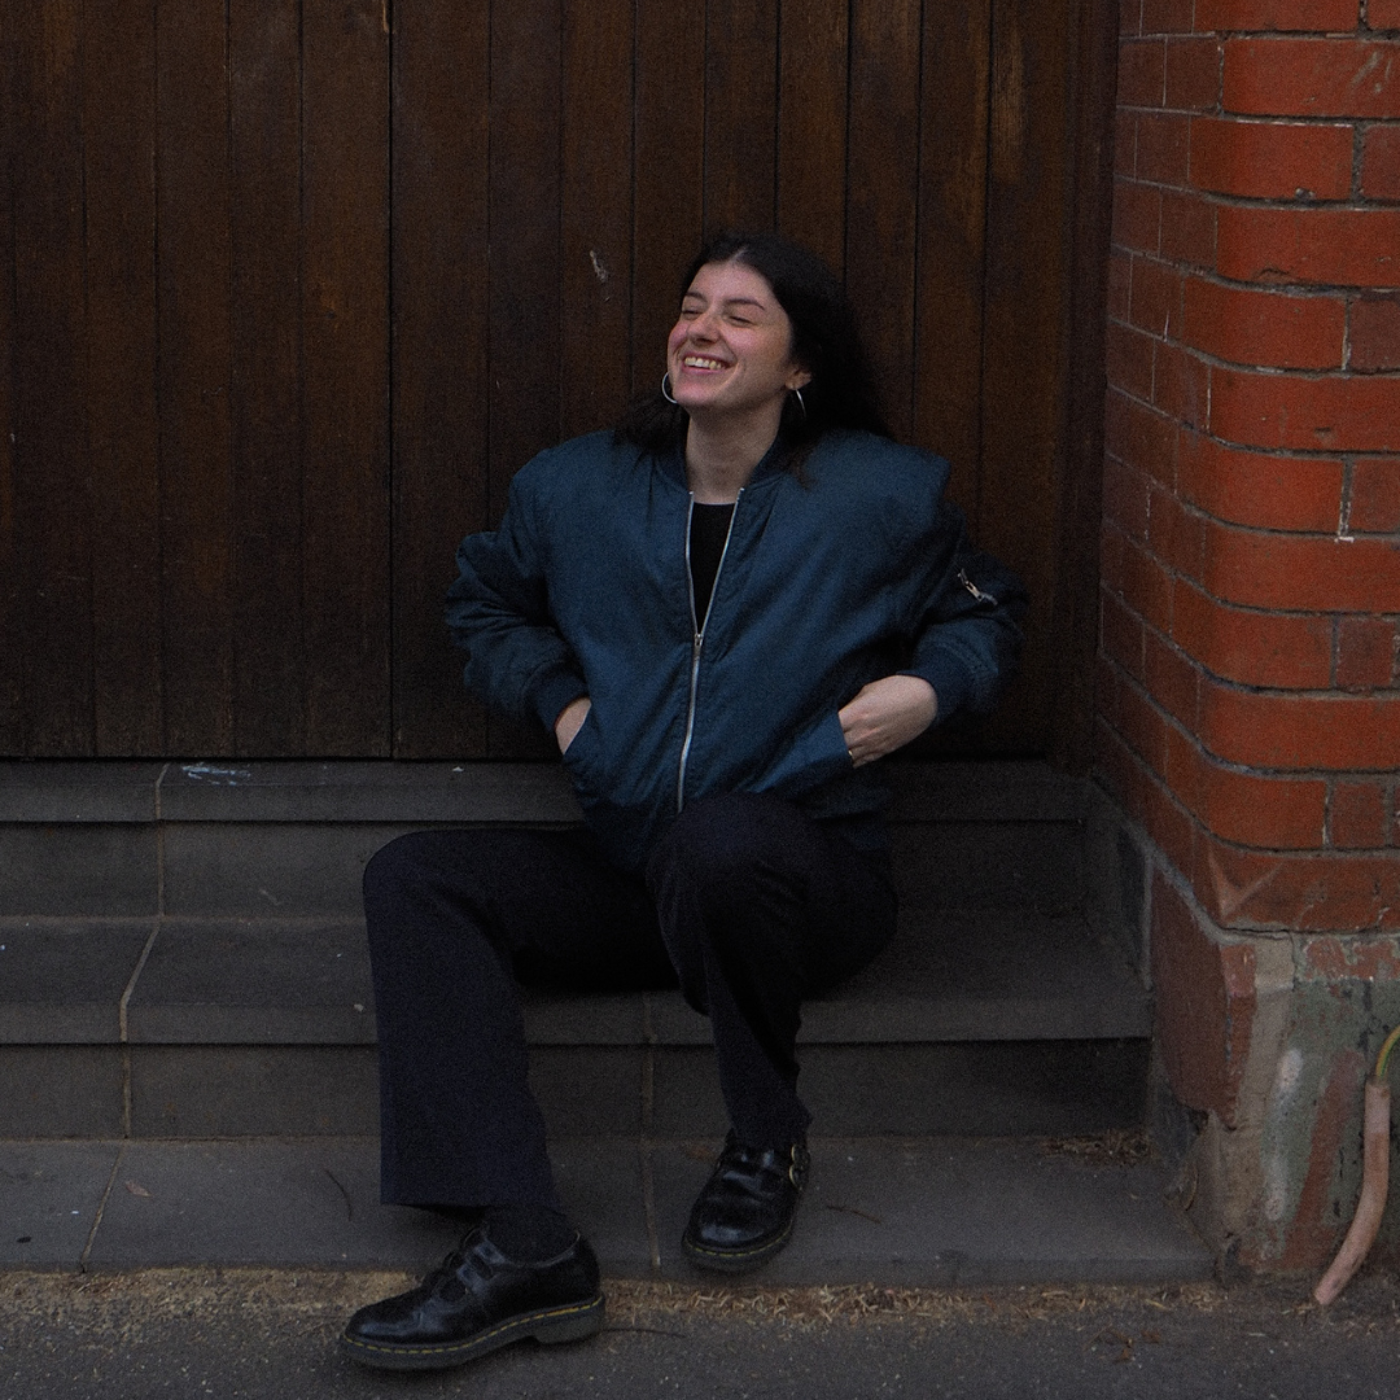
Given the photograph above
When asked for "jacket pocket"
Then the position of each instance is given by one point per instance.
(816, 756)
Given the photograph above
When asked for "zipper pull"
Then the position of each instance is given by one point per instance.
(972, 588)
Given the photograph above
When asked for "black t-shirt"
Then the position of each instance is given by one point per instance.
(709, 528)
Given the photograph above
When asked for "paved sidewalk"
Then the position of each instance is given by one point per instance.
(895, 1212)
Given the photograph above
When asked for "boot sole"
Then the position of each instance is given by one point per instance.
(735, 1261)
(570, 1323)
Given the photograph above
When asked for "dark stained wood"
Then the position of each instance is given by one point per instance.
(1074, 622)
(230, 487)
(524, 311)
(52, 501)
(441, 391)
(119, 103)
(952, 211)
(194, 271)
(883, 192)
(269, 700)
(345, 331)
(741, 113)
(669, 213)
(595, 372)
(12, 633)
(813, 76)
(1026, 332)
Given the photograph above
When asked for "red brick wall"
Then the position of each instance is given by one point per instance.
(1249, 696)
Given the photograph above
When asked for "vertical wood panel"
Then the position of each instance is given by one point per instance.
(952, 241)
(12, 634)
(52, 498)
(596, 215)
(345, 329)
(269, 703)
(741, 114)
(120, 120)
(441, 391)
(1026, 328)
(669, 217)
(524, 202)
(880, 245)
(813, 83)
(192, 230)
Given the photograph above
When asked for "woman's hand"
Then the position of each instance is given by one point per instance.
(885, 716)
(570, 721)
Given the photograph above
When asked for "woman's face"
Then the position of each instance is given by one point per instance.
(731, 350)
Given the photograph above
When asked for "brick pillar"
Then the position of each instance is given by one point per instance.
(1249, 714)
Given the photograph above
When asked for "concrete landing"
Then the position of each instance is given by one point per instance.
(910, 1212)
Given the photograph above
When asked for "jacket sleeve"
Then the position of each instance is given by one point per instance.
(967, 637)
(498, 611)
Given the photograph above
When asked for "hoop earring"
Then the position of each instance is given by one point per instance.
(666, 387)
(801, 403)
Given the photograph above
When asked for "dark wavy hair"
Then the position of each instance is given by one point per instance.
(825, 341)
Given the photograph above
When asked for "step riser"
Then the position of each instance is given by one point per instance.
(1055, 1088)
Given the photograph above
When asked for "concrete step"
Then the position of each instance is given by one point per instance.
(979, 1021)
(914, 1211)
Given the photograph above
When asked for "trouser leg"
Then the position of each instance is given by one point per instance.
(760, 906)
(453, 917)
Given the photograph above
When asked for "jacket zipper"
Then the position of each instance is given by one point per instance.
(697, 638)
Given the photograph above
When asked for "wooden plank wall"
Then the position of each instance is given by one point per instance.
(290, 288)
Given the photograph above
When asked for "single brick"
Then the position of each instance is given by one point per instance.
(1256, 327)
(1192, 74)
(1342, 413)
(1358, 819)
(1137, 216)
(1318, 16)
(1156, 296)
(1147, 587)
(1270, 813)
(1129, 17)
(1121, 635)
(1287, 77)
(1188, 228)
(1173, 680)
(1380, 162)
(1375, 495)
(1181, 385)
(1167, 16)
(1365, 653)
(1251, 488)
(1140, 436)
(1292, 732)
(1128, 360)
(1271, 160)
(1383, 14)
(1305, 573)
(1163, 147)
(1141, 72)
(1120, 284)
(1125, 142)
(1346, 247)
(1176, 534)
(1283, 651)
(1126, 492)
(1375, 333)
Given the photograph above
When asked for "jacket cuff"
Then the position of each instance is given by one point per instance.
(554, 690)
(952, 683)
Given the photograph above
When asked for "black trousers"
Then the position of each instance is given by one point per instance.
(746, 901)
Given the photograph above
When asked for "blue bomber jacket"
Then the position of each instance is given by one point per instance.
(856, 570)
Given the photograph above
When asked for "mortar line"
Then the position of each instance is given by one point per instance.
(85, 1257)
(123, 1033)
(644, 1151)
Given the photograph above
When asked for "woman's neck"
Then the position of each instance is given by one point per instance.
(721, 457)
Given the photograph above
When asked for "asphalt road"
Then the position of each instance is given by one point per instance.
(269, 1335)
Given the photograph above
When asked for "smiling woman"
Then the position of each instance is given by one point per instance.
(727, 611)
